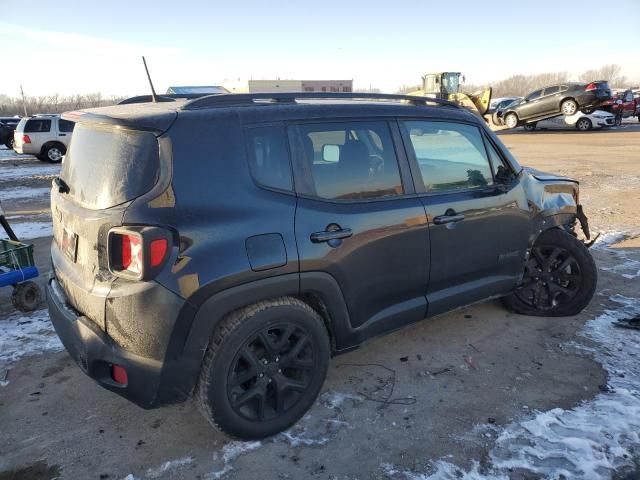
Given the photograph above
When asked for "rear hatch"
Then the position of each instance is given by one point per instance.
(18, 133)
(105, 169)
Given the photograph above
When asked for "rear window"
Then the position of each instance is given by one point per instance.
(105, 167)
(37, 125)
(65, 125)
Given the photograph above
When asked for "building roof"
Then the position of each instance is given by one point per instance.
(197, 89)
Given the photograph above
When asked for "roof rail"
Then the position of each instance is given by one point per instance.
(169, 97)
(225, 100)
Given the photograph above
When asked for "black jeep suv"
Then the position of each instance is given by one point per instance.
(226, 247)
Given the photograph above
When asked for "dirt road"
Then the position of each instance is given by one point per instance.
(480, 391)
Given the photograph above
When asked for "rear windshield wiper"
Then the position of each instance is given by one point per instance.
(62, 185)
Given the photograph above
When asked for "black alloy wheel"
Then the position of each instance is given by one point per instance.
(270, 372)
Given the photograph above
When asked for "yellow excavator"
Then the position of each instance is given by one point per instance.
(447, 85)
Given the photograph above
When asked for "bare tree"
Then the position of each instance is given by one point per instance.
(56, 103)
(610, 72)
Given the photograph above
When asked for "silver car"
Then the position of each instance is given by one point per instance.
(45, 136)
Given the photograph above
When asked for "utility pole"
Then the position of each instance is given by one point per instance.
(24, 103)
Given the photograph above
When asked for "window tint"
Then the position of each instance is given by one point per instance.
(534, 95)
(551, 90)
(450, 156)
(269, 157)
(37, 125)
(355, 160)
(65, 125)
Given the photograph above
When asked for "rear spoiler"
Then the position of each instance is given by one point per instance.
(155, 122)
(170, 97)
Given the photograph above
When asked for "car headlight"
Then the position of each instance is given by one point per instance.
(603, 116)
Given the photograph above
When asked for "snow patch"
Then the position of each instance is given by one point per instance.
(27, 172)
(27, 230)
(19, 193)
(230, 452)
(591, 441)
(24, 335)
(169, 466)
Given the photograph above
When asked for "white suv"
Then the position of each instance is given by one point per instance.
(45, 136)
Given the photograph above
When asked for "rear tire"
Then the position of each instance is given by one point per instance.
(511, 120)
(53, 153)
(26, 296)
(588, 111)
(264, 368)
(584, 124)
(530, 127)
(618, 120)
(9, 143)
(559, 280)
(569, 106)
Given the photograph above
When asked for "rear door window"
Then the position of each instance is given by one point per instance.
(450, 156)
(551, 90)
(37, 125)
(107, 167)
(351, 160)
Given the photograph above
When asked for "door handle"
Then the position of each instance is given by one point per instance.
(448, 218)
(328, 235)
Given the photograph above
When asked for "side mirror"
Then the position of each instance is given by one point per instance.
(331, 153)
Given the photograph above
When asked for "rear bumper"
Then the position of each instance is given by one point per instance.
(95, 352)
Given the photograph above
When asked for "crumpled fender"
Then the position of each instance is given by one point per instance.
(553, 202)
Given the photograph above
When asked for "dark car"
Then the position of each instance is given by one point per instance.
(224, 248)
(565, 99)
(7, 127)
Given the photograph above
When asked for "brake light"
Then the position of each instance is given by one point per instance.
(158, 251)
(138, 253)
(592, 86)
(26, 139)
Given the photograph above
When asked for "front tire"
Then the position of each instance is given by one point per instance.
(569, 107)
(530, 127)
(618, 120)
(559, 279)
(264, 368)
(584, 124)
(9, 143)
(588, 111)
(511, 120)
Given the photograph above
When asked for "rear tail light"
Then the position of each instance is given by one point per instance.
(592, 86)
(26, 139)
(138, 253)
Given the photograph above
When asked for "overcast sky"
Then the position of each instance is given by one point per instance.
(79, 46)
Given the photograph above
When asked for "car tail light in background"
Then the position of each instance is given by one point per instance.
(26, 139)
(138, 253)
(592, 86)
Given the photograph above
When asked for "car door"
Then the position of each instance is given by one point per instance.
(549, 102)
(359, 220)
(478, 226)
(530, 107)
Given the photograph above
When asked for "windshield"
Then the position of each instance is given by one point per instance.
(107, 167)
(451, 82)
